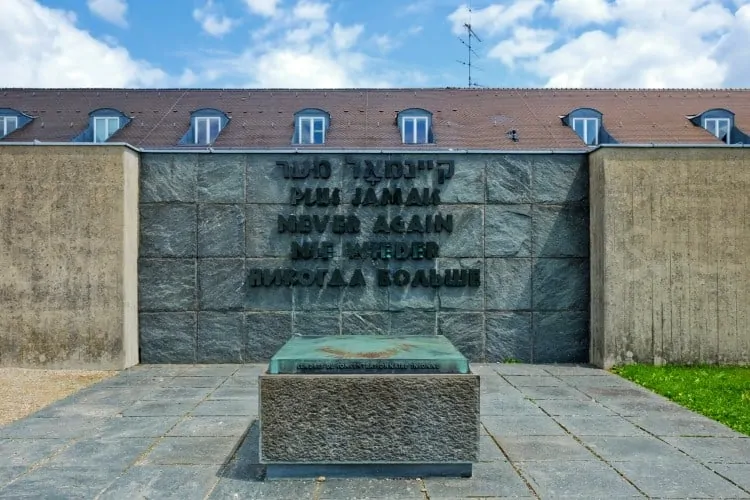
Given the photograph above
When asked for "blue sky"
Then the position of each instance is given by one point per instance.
(360, 43)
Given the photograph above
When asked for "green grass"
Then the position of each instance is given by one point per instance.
(720, 393)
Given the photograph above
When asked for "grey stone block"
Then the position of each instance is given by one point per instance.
(599, 426)
(346, 489)
(739, 473)
(245, 485)
(560, 179)
(271, 298)
(412, 297)
(508, 336)
(106, 453)
(25, 452)
(221, 231)
(557, 407)
(507, 231)
(543, 380)
(316, 323)
(560, 231)
(165, 482)
(166, 285)
(130, 427)
(682, 425)
(573, 479)
(167, 177)
(220, 407)
(363, 323)
(524, 425)
(389, 419)
(544, 448)
(266, 183)
(221, 426)
(316, 298)
(508, 284)
(221, 337)
(266, 333)
(561, 337)
(160, 408)
(509, 179)
(61, 482)
(363, 298)
(221, 178)
(560, 284)
(413, 323)
(8, 474)
(221, 284)
(191, 451)
(466, 298)
(465, 331)
(714, 449)
(168, 230)
(497, 479)
(167, 337)
(631, 448)
(195, 382)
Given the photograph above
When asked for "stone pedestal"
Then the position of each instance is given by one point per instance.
(383, 422)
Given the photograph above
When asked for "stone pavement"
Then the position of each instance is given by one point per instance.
(187, 432)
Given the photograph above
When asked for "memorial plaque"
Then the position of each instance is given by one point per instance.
(360, 354)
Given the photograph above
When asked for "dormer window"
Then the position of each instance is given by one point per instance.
(720, 123)
(105, 126)
(587, 123)
(310, 126)
(720, 127)
(205, 127)
(416, 126)
(12, 120)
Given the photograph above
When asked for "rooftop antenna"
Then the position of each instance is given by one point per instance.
(471, 35)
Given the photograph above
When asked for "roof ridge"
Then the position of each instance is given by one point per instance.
(368, 89)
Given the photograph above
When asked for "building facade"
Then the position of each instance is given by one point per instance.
(209, 226)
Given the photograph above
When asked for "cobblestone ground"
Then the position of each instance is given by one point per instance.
(187, 432)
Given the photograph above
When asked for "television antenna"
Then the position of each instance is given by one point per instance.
(470, 35)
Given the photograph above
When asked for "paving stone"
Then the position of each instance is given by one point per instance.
(167, 177)
(168, 230)
(519, 369)
(507, 231)
(714, 449)
(500, 404)
(739, 473)
(234, 392)
(190, 451)
(222, 370)
(221, 426)
(83, 410)
(507, 284)
(233, 489)
(489, 479)
(681, 478)
(163, 482)
(465, 331)
(8, 474)
(52, 428)
(223, 407)
(601, 380)
(111, 453)
(247, 382)
(533, 381)
(599, 426)
(132, 427)
(196, 382)
(251, 369)
(566, 479)
(509, 426)
(660, 424)
(221, 284)
(576, 370)
(489, 451)
(25, 452)
(176, 393)
(166, 285)
(534, 448)
(159, 408)
(370, 489)
(61, 483)
(167, 337)
(557, 407)
(221, 179)
(560, 392)
(645, 406)
(508, 336)
(630, 448)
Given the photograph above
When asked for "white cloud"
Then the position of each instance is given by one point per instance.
(385, 43)
(494, 18)
(213, 21)
(263, 7)
(345, 38)
(582, 12)
(525, 43)
(43, 47)
(310, 11)
(110, 10)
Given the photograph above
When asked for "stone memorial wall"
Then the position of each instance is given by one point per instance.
(238, 252)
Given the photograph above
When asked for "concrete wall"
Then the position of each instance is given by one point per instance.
(670, 255)
(207, 220)
(68, 266)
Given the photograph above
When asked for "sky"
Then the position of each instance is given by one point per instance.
(374, 43)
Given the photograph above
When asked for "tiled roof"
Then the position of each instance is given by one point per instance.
(365, 118)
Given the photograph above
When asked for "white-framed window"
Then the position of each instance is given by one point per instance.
(720, 127)
(415, 129)
(311, 129)
(206, 129)
(587, 129)
(104, 127)
(8, 124)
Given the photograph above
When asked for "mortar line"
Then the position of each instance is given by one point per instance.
(512, 464)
